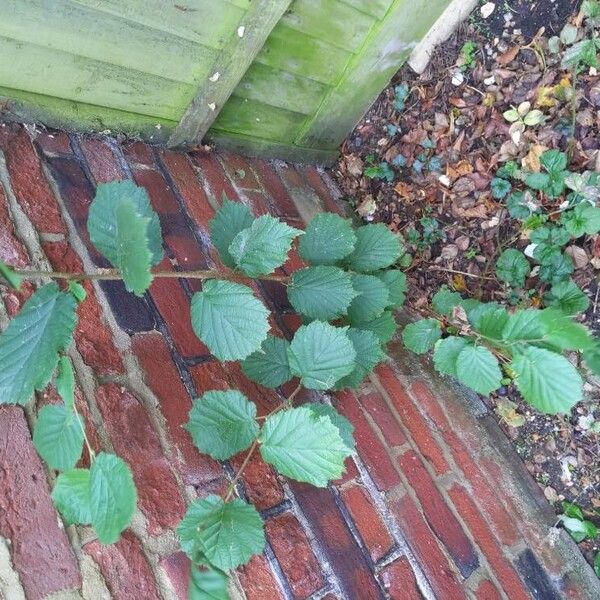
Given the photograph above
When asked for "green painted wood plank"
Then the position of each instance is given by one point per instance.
(281, 89)
(228, 70)
(333, 22)
(207, 22)
(68, 26)
(260, 120)
(377, 8)
(297, 53)
(388, 45)
(54, 73)
(26, 107)
(269, 149)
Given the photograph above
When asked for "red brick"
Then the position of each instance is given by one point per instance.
(92, 337)
(399, 581)
(486, 590)
(174, 306)
(186, 179)
(375, 405)
(240, 171)
(262, 486)
(265, 399)
(480, 531)
(124, 568)
(281, 201)
(30, 186)
(294, 262)
(211, 172)
(350, 473)
(438, 514)
(419, 429)
(293, 551)
(292, 322)
(55, 142)
(101, 160)
(257, 202)
(138, 153)
(210, 375)
(368, 521)
(136, 441)
(370, 449)
(258, 581)
(162, 377)
(424, 545)
(430, 404)
(177, 569)
(315, 180)
(14, 300)
(40, 549)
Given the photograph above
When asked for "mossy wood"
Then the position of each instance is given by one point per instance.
(275, 78)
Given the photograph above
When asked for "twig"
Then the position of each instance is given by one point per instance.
(437, 268)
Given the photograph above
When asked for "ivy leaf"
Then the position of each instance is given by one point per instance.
(125, 229)
(584, 218)
(548, 381)
(445, 354)
(222, 423)
(269, 366)
(304, 447)
(65, 382)
(262, 247)
(368, 355)
(376, 248)
(384, 326)
(421, 336)
(344, 427)
(568, 297)
(395, 282)
(477, 368)
(113, 497)
(328, 239)
(226, 534)
(13, 280)
(444, 301)
(208, 584)
(228, 221)
(30, 344)
(372, 297)
(229, 319)
(320, 355)
(58, 437)
(322, 292)
(71, 496)
(513, 267)
(564, 333)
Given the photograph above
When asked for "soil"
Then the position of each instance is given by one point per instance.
(455, 130)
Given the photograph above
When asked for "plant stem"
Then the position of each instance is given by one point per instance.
(437, 268)
(115, 275)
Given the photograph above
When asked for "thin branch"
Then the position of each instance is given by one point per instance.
(437, 268)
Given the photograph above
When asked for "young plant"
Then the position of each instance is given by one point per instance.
(520, 118)
(380, 170)
(346, 296)
(576, 524)
(466, 60)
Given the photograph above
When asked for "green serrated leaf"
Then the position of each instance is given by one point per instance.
(384, 326)
(304, 447)
(208, 584)
(489, 320)
(262, 247)
(269, 366)
(227, 534)
(58, 437)
(71, 496)
(547, 380)
(125, 229)
(513, 267)
(10, 276)
(395, 282)
(523, 326)
(368, 355)
(320, 355)
(421, 336)
(328, 239)
(444, 301)
(113, 497)
(568, 297)
(584, 218)
(229, 220)
(322, 292)
(229, 319)
(222, 423)
(591, 356)
(477, 368)
(563, 333)
(65, 382)
(445, 354)
(372, 297)
(376, 248)
(30, 344)
(583, 52)
(344, 427)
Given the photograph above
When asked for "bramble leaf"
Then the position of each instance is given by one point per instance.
(564, 333)
(477, 368)
(344, 427)
(376, 248)
(226, 534)
(71, 496)
(30, 344)
(368, 355)
(524, 325)
(328, 239)
(262, 247)
(322, 292)
(228, 221)
(269, 366)
(421, 336)
(384, 326)
(372, 297)
(222, 423)
(444, 301)
(303, 446)
(395, 282)
(229, 319)
(445, 354)
(568, 297)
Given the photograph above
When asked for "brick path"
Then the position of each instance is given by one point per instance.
(434, 505)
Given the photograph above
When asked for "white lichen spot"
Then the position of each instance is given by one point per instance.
(214, 77)
(212, 106)
(241, 30)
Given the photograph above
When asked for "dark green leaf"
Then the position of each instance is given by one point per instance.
(584, 218)
(269, 366)
(524, 325)
(228, 221)
(446, 353)
(591, 356)
(500, 188)
(581, 53)
(368, 355)
(554, 161)
(328, 239)
(563, 333)
(477, 368)
(444, 301)
(395, 282)
(208, 584)
(489, 320)
(344, 427)
(71, 496)
(372, 297)
(556, 270)
(65, 382)
(376, 248)
(513, 267)
(537, 181)
(384, 327)
(568, 297)
(421, 336)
